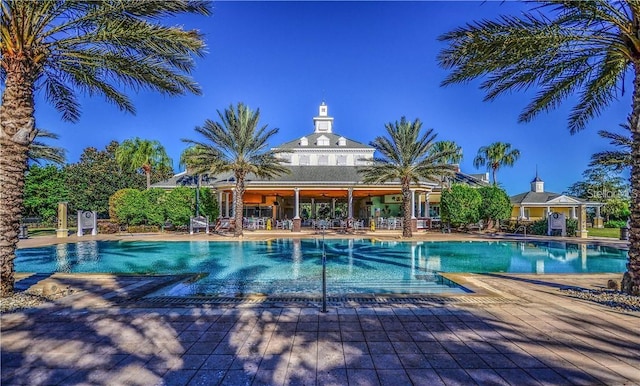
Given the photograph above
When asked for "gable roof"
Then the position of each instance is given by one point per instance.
(333, 143)
(544, 198)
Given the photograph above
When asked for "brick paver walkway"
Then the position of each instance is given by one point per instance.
(544, 337)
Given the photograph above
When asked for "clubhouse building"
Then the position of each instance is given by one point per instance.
(323, 183)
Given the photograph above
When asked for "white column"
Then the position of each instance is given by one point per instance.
(597, 211)
(573, 212)
(226, 195)
(220, 203)
(548, 212)
(333, 208)
(426, 206)
(419, 214)
(522, 212)
(413, 203)
(350, 203)
(297, 203)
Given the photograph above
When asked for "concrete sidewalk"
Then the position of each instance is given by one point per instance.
(103, 335)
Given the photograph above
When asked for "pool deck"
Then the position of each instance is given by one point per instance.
(514, 330)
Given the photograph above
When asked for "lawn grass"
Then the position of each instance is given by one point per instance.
(604, 232)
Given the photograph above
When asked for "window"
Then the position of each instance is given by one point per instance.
(342, 141)
(434, 210)
(342, 160)
(304, 141)
(323, 159)
(304, 159)
(322, 141)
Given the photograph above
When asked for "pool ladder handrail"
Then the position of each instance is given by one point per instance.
(524, 230)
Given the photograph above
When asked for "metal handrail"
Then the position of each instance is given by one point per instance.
(524, 230)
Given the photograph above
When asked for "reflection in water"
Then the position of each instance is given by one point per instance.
(583, 255)
(62, 261)
(297, 258)
(199, 248)
(87, 251)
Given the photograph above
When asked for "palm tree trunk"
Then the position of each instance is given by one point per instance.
(239, 205)
(493, 173)
(406, 209)
(17, 130)
(631, 281)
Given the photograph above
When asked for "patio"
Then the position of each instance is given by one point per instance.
(517, 329)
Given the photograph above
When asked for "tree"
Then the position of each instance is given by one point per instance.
(454, 157)
(238, 145)
(44, 187)
(39, 151)
(460, 205)
(97, 176)
(94, 47)
(495, 156)
(495, 204)
(135, 154)
(566, 49)
(407, 155)
(600, 183)
(618, 159)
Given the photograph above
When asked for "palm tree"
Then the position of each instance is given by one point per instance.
(40, 151)
(495, 156)
(91, 47)
(134, 154)
(619, 159)
(236, 145)
(407, 155)
(582, 49)
(454, 158)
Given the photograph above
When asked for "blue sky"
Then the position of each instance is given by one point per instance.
(372, 62)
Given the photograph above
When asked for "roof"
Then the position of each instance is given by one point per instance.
(544, 198)
(300, 174)
(333, 143)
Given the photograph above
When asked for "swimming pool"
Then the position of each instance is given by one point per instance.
(292, 266)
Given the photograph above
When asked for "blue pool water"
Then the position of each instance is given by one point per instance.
(287, 266)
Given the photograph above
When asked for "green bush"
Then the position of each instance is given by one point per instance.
(572, 226)
(539, 227)
(615, 224)
(460, 205)
(495, 204)
(179, 205)
(128, 206)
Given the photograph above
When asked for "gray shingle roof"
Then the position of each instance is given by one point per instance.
(333, 143)
(536, 197)
(301, 174)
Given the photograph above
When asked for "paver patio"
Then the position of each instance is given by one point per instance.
(104, 335)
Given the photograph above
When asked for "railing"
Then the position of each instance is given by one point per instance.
(524, 230)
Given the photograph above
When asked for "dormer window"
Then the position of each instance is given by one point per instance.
(322, 141)
(342, 141)
(304, 141)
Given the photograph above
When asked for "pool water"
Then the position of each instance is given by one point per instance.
(288, 266)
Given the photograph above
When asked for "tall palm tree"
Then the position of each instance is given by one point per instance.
(495, 156)
(618, 159)
(238, 145)
(39, 151)
(454, 158)
(562, 49)
(134, 154)
(91, 47)
(407, 155)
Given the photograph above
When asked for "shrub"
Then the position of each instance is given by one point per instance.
(460, 205)
(495, 205)
(107, 227)
(143, 229)
(615, 224)
(538, 227)
(572, 226)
